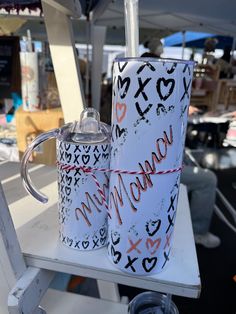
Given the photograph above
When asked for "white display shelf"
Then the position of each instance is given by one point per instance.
(42, 248)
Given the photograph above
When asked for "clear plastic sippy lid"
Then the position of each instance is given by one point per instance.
(90, 130)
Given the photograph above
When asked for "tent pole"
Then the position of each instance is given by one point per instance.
(232, 49)
(183, 44)
(98, 36)
(87, 70)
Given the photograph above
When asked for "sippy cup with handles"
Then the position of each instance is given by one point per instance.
(83, 148)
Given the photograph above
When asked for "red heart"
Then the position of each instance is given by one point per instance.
(120, 111)
(150, 244)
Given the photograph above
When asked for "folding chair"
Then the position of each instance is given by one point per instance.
(220, 195)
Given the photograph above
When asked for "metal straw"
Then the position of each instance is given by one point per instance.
(131, 28)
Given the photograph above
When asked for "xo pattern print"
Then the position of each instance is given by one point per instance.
(149, 116)
(82, 213)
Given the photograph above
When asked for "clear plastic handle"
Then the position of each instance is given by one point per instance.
(24, 163)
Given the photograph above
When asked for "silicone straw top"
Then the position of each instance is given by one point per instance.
(89, 130)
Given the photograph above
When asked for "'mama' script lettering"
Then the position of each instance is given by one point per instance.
(91, 201)
(142, 182)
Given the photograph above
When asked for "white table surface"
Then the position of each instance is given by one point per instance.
(37, 229)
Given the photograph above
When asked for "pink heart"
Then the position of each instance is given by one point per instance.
(120, 111)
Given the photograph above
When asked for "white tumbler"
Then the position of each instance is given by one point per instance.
(149, 117)
(30, 81)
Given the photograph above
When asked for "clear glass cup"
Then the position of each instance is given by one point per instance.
(152, 303)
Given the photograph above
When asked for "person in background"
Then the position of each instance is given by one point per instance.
(226, 69)
(209, 49)
(201, 185)
(155, 48)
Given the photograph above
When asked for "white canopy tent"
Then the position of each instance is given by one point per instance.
(217, 17)
(156, 19)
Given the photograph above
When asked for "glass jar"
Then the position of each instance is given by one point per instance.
(152, 303)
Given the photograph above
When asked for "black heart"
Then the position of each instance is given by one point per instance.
(104, 148)
(68, 200)
(102, 231)
(155, 224)
(121, 83)
(115, 238)
(70, 241)
(68, 179)
(85, 244)
(121, 68)
(68, 156)
(119, 131)
(167, 82)
(67, 146)
(86, 148)
(116, 255)
(103, 240)
(68, 190)
(85, 159)
(149, 263)
(105, 156)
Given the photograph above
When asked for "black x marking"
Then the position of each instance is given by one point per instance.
(63, 210)
(61, 155)
(186, 67)
(77, 244)
(62, 178)
(146, 64)
(63, 199)
(96, 157)
(76, 159)
(95, 243)
(76, 182)
(142, 113)
(61, 145)
(186, 88)
(63, 239)
(130, 263)
(77, 149)
(166, 255)
(96, 149)
(171, 221)
(141, 88)
(77, 171)
(172, 199)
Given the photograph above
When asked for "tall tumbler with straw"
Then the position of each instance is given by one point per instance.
(149, 117)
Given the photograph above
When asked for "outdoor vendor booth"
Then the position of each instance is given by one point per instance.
(94, 200)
